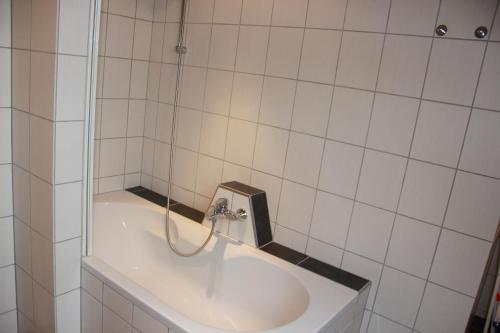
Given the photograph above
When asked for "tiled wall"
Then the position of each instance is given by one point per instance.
(8, 321)
(125, 37)
(49, 86)
(377, 142)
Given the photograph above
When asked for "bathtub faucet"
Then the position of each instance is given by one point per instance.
(219, 209)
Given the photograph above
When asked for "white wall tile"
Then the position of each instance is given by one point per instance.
(42, 84)
(119, 304)
(193, 87)
(381, 179)
(290, 238)
(91, 313)
(113, 323)
(122, 7)
(495, 29)
(5, 26)
(71, 87)
(459, 262)
(320, 51)
(209, 175)
(426, 191)
(146, 323)
(41, 148)
(403, 66)
(6, 241)
(166, 82)
(231, 172)
(44, 25)
(73, 26)
(185, 169)
(155, 53)
(296, 206)
(448, 80)
(277, 102)
(188, 129)
(365, 15)
(92, 285)
(218, 91)
(298, 169)
(312, 108)
(366, 268)
(392, 123)
(256, 12)
(24, 293)
(22, 234)
(370, 231)
(252, 49)
(136, 110)
(201, 11)
(412, 246)
(399, 296)
(223, 46)
(289, 13)
(350, 115)
(116, 78)
(20, 138)
(133, 155)
(44, 309)
(437, 314)
(5, 71)
(245, 99)
(270, 150)
(43, 263)
(138, 79)
(68, 151)
(68, 211)
(142, 40)
(213, 135)
(5, 135)
(7, 289)
(473, 207)
(112, 157)
(359, 60)
(488, 88)
(326, 14)
(21, 24)
(324, 252)
(439, 133)
(42, 203)
(330, 219)
(465, 16)
(21, 193)
(381, 324)
(20, 79)
(410, 17)
(340, 168)
(284, 51)
(68, 311)
(480, 151)
(227, 11)
(161, 162)
(120, 34)
(198, 42)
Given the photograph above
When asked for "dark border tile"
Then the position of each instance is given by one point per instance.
(263, 233)
(284, 252)
(333, 273)
(241, 188)
(188, 212)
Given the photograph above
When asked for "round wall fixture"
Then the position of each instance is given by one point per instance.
(481, 32)
(441, 30)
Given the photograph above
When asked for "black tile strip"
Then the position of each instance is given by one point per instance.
(284, 253)
(260, 211)
(136, 189)
(190, 213)
(333, 273)
(241, 188)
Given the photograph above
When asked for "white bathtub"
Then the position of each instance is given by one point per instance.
(228, 287)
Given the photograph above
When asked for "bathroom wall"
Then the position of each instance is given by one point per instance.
(49, 87)
(376, 141)
(8, 321)
(125, 42)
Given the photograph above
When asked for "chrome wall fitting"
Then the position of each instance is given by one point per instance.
(481, 32)
(441, 30)
(180, 49)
